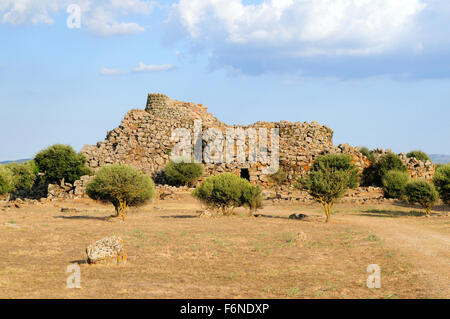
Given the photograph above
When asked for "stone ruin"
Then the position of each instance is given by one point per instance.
(143, 140)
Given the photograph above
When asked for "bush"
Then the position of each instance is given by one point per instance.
(422, 193)
(183, 173)
(370, 155)
(373, 175)
(279, 178)
(121, 185)
(228, 191)
(394, 183)
(441, 180)
(329, 179)
(252, 197)
(61, 162)
(421, 156)
(6, 181)
(338, 162)
(24, 175)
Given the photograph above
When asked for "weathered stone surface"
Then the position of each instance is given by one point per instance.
(109, 250)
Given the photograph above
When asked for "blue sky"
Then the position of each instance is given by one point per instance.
(376, 71)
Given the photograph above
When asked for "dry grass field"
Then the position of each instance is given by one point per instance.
(175, 254)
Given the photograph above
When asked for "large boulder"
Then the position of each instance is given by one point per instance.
(108, 250)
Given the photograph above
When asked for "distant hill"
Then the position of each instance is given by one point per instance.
(16, 161)
(440, 158)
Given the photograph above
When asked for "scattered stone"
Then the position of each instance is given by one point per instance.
(68, 210)
(109, 250)
(299, 216)
(12, 225)
(206, 214)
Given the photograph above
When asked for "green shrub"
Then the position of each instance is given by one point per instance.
(183, 173)
(252, 197)
(121, 185)
(367, 153)
(228, 191)
(373, 175)
(338, 162)
(279, 178)
(421, 156)
(441, 180)
(61, 162)
(24, 174)
(422, 193)
(329, 179)
(394, 183)
(6, 181)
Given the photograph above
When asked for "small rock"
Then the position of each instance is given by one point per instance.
(108, 250)
(299, 216)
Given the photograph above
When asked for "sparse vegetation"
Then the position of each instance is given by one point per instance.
(422, 193)
(6, 181)
(373, 175)
(330, 177)
(394, 183)
(24, 174)
(228, 191)
(279, 178)
(369, 154)
(441, 180)
(121, 185)
(184, 172)
(420, 155)
(60, 162)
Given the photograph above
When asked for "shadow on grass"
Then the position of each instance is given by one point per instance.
(293, 216)
(441, 208)
(390, 213)
(180, 216)
(104, 218)
(79, 262)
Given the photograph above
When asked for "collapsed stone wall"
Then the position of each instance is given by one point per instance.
(417, 169)
(143, 140)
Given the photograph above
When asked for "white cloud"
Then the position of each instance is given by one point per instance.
(106, 71)
(153, 68)
(17, 12)
(100, 17)
(302, 27)
(140, 68)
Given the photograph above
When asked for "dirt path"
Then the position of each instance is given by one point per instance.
(427, 249)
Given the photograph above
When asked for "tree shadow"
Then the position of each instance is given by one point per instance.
(390, 213)
(293, 216)
(180, 216)
(441, 208)
(79, 262)
(104, 218)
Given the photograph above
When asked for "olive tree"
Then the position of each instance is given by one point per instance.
(329, 179)
(121, 185)
(423, 193)
(183, 172)
(441, 180)
(60, 162)
(6, 181)
(228, 191)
